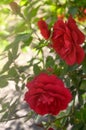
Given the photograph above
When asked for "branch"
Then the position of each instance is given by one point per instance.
(15, 118)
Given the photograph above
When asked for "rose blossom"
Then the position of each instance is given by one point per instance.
(66, 40)
(47, 94)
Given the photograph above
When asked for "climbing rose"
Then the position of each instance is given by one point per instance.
(66, 40)
(47, 94)
(44, 29)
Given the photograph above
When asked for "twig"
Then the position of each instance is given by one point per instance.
(15, 118)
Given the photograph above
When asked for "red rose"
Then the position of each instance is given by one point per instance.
(44, 29)
(47, 94)
(66, 40)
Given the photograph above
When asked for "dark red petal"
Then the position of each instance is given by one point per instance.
(73, 27)
(80, 54)
(71, 58)
(59, 24)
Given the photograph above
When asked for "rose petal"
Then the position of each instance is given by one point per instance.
(80, 54)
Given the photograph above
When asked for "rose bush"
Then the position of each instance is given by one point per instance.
(66, 40)
(24, 54)
(47, 94)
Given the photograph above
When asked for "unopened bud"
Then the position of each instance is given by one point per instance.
(15, 7)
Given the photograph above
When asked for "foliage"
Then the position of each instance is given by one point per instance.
(19, 33)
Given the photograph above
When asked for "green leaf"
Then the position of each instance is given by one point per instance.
(4, 117)
(83, 114)
(25, 38)
(5, 11)
(4, 106)
(57, 123)
(36, 69)
(84, 65)
(77, 126)
(67, 81)
(49, 61)
(3, 81)
(73, 10)
(27, 42)
(23, 2)
(83, 85)
(6, 67)
(57, 70)
(23, 68)
(12, 108)
(20, 27)
(12, 73)
(61, 114)
(65, 68)
(31, 10)
(5, 1)
(10, 56)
